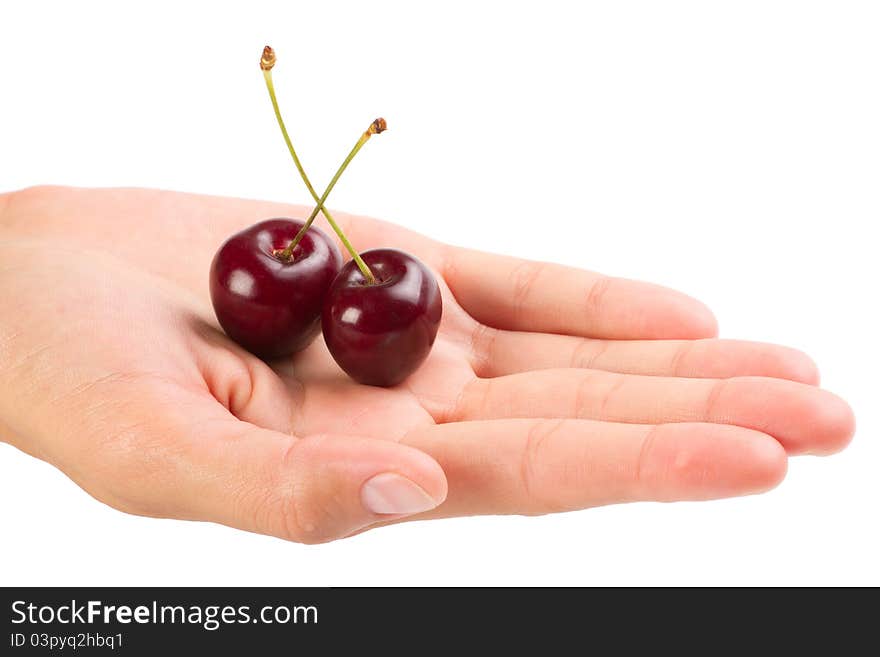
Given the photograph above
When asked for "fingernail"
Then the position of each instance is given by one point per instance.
(391, 493)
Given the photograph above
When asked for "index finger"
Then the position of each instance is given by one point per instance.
(525, 295)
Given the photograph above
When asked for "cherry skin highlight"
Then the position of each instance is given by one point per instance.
(381, 333)
(269, 305)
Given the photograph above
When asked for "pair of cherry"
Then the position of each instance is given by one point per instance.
(276, 284)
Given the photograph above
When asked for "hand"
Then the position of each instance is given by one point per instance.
(548, 389)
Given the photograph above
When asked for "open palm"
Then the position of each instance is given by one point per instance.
(548, 389)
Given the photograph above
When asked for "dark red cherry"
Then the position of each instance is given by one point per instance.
(270, 306)
(380, 333)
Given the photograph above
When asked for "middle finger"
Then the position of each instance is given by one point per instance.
(496, 353)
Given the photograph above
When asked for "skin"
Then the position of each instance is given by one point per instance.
(548, 389)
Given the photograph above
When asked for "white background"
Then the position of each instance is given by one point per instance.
(729, 149)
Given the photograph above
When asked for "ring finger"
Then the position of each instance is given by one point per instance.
(804, 419)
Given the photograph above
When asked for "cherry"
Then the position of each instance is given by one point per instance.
(268, 281)
(381, 332)
(267, 63)
(380, 313)
(267, 303)
(378, 326)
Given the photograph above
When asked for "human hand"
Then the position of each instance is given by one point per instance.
(548, 389)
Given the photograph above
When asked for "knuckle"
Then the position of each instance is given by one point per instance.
(714, 400)
(679, 358)
(475, 401)
(484, 341)
(294, 512)
(597, 294)
(646, 472)
(525, 275)
(274, 505)
(613, 384)
(533, 471)
(586, 353)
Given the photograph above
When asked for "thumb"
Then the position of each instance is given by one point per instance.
(312, 489)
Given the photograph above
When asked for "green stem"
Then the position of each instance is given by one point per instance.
(376, 127)
(267, 74)
(302, 231)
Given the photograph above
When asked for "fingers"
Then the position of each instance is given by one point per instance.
(497, 353)
(544, 466)
(803, 418)
(522, 295)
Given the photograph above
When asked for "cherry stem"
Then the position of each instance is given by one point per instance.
(267, 61)
(376, 127)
